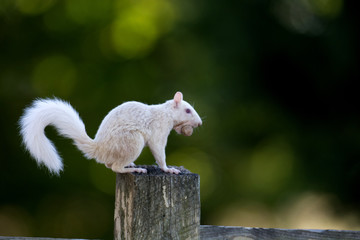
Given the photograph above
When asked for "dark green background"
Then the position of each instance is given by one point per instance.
(274, 81)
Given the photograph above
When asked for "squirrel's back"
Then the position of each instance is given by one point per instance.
(133, 116)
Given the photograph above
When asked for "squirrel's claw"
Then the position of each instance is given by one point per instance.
(171, 170)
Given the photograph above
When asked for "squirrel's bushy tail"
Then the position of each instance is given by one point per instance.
(65, 119)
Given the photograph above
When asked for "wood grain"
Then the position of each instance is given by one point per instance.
(157, 205)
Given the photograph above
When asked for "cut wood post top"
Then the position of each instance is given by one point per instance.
(154, 170)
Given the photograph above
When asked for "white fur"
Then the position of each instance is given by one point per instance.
(121, 136)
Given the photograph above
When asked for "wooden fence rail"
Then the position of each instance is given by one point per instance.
(244, 233)
(165, 206)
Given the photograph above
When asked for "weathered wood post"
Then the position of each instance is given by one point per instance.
(157, 205)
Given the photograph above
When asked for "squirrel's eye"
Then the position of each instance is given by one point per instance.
(188, 110)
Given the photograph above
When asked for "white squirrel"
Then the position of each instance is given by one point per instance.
(122, 135)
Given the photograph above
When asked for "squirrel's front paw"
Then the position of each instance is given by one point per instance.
(171, 170)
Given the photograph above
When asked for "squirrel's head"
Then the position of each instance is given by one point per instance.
(183, 113)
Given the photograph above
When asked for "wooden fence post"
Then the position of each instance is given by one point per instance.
(157, 205)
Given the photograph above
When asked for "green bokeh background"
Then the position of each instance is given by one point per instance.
(275, 82)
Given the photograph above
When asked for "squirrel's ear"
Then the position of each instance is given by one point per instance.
(178, 98)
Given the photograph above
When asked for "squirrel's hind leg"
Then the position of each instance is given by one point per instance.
(125, 152)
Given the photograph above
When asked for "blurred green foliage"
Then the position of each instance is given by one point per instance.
(275, 82)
